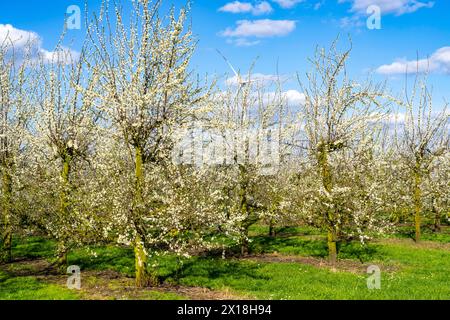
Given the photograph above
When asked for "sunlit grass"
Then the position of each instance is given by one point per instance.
(29, 288)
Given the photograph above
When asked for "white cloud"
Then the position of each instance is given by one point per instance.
(394, 118)
(261, 28)
(237, 7)
(294, 97)
(246, 7)
(30, 43)
(262, 8)
(259, 78)
(20, 38)
(287, 4)
(243, 42)
(291, 98)
(397, 7)
(63, 54)
(401, 117)
(439, 62)
(351, 22)
(318, 5)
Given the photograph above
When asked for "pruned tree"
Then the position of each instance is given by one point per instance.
(65, 131)
(337, 119)
(437, 199)
(146, 91)
(421, 139)
(15, 114)
(251, 122)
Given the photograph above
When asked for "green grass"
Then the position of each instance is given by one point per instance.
(427, 234)
(33, 247)
(422, 275)
(29, 288)
(408, 271)
(113, 258)
(273, 280)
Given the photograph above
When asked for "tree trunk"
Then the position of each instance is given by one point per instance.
(244, 209)
(271, 228)
(437, 219)
(143, 278)
(417, 201)
(332, 247)
(7, 234)
(327, 182)
(65, 172)
(244, 243)
(61, 260)
(141, 264)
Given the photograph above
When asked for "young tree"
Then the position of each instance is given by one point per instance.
(15, 113)
(251, 121)
(337, 116)
(423, 138)
(146, 91)
(65, 132)
(437, 199)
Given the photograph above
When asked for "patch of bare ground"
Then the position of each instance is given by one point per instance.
(26, 267)
(424, 244)
(198, 293)
(342, 265)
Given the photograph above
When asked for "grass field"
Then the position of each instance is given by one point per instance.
(292, 265)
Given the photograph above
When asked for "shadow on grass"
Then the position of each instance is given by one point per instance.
(292, 245)
(428, 233)
(215, 273)
(356, 251)
(302, 246)
(32, 247)
(114, 258)
(169, 268)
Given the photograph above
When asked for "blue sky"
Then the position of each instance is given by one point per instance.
(286, 32)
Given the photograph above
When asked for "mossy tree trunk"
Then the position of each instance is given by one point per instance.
(417, 200)
(61, 259)
(272, 228)
(244, 210)
(143, 277)
(244, 243)
(244, 227)
(437, 219)
(327, 181)
(332, 245)
(62, 250)
(7, 207)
